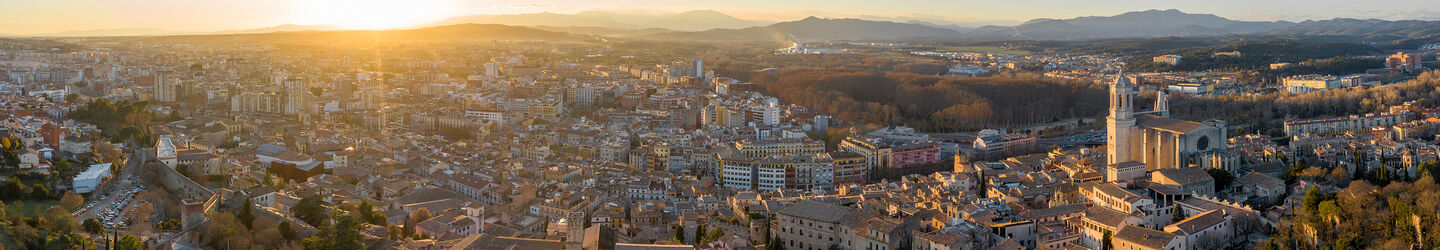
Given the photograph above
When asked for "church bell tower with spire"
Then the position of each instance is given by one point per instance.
(1121, 120)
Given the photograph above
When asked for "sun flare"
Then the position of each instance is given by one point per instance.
(374, 14)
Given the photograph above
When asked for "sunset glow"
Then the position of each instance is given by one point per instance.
(373, 14)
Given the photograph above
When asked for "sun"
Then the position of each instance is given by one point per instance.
(373, 14)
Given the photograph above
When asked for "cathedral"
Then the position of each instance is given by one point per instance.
(1140, 142)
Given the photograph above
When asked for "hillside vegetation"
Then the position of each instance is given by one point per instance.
(934, 103)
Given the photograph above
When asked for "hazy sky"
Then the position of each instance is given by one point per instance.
(46, 16)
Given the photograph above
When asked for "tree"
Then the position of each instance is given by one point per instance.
(420, 215)
(1178, 214)
(1329, 212)
(245, 215)
(13, 190)
(108, 152)
(60, 220)
(224, 230)
(287, 230)
(69, 241)
(63, 166)
(393, 232)
(713, 236)
(1105, 242)
(311, 210)
(344, 234)
(93, 226)
(680, 234)
(366, 213)
(129, 242)
(699, 233)
(1312, 200)
(184, 169)
(1223, 178)
(1338, 175)
(409, 228)
(168, 225)
(71, 200)
(39, 192)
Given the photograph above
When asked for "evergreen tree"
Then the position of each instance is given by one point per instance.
(699, 233)
(245, 215)
(344, 234)
(286, 230)
(680, 234)
(1177, 215)
(311, 210)
(1105, 242)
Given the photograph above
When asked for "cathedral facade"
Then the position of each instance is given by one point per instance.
(1151, 140)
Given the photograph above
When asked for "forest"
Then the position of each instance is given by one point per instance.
(123, 121)
(1254, 55)
(932, 103)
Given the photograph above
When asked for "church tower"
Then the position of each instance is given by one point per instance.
(1121, 120)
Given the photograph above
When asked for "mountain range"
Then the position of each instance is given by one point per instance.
(1149, 23)
(814, 28)
(709, 25)
(1131, 24)
(694, 20)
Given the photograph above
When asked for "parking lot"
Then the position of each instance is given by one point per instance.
(117, 206)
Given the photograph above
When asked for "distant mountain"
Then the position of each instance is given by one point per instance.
(709, 25)
(603, 31)
(685, 21)
(280, 28)
(964, 25)
(1147, 23)
(473, 32)
(535, 19)
(955, 27)
(1362, 27)
(814, 28)
(160, 32)
(106, 32)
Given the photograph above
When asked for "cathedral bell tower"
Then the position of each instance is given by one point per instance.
(1121, 121)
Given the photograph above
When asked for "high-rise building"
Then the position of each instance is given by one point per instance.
(297, 97)
(166, 86)
(699, 67)
(492, 69)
